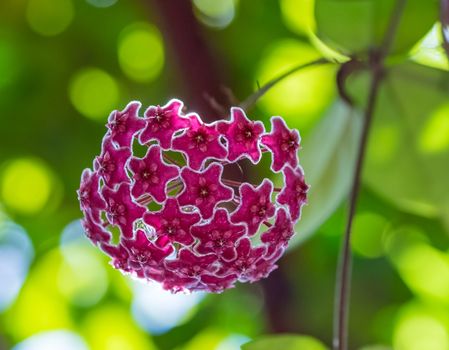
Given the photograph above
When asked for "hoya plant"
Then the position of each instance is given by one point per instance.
(162, 201)
(205, 235)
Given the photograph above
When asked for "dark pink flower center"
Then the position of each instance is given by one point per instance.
(260, 209)
(160, 120)
(149, 175)
(203, 192)
(301, 189)
(219, 240)
(199, 139)
(246, 133)
(242, 265)
(107, 164)
(140, 257)
(117, 210)
(119, 124)
(290, 143)
(171, 228)
(192, 271)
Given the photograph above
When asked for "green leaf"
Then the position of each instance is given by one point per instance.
(327, 157)
(356, 26)
(408, 154)
(285, 342)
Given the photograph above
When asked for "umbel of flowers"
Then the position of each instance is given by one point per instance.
(206, 232)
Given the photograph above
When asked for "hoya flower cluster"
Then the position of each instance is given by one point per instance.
(176, 219)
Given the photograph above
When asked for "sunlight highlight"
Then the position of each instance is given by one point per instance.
(435, 136)
(16, 254)
(425, 270)
(368, 234)
(306, 93)
(158, 311)
(215, 13)
(53, 340)
(429, 51)
(94, 93)
(40, 294)
(141, 52)
(110, 327)
(49, 17)
(418, 330)
(26, 185)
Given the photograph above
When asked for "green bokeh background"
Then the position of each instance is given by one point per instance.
(65, 64)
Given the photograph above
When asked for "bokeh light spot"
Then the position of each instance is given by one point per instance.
(111, 327)
(419, 330)
(49, 17)
(101, 3)
(158, 311)
(54, 340)
(425, 270)
(94, 93)
(40, 307)
(16, 254)
(82, 278)
(368, 234)
(302, 97)
(207, 339)
(215, 13)
(435, 135)
(232, 342)
(26, 185)
(141, 52)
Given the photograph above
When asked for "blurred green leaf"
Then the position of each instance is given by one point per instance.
(356, 26)
(327, 157)
(285, 342)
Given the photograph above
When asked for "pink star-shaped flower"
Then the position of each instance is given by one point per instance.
(125, 124)
(279, 234)
(242, 135)
(283, 143)
(111, 163)
(261, 268)
(294, 194)
(121, 209)
(173, 281)
(217, 284)
(143, 253)
(119, 255)
(255, 205)
(204, 189)
(172, 224)
(219, 236)
(245, 261)
(91, 201)
(151, 175)
(200, 142)
(95, 232)
(189, 264)
(163, 122)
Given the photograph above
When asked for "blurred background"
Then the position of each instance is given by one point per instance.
(65, 64)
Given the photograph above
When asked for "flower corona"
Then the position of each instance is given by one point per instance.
(180, 222)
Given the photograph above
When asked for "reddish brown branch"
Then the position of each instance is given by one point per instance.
(196, 64)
